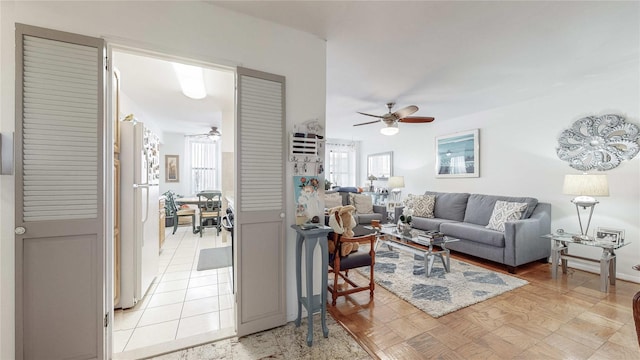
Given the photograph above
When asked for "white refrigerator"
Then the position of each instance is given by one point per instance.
(139, 211)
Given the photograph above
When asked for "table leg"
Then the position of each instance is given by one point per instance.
(555, 255)
(612, 268)
(444, 256)
(324, 253)
(604, 271)
(309, 245)
(430, 258)
(299, 240)
(564, 251)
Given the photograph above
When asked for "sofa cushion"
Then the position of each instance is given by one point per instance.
(450, 206)
(505, 211)
(332, 200)
(422, 205)
(480, 207)
(428, 223)
(362, 202)
(473, 232)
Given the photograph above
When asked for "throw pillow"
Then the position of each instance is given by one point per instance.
(505, 211)
(362, 202)
(332, 200)
(423, 205)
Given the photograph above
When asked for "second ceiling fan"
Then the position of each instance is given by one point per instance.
(391, 119)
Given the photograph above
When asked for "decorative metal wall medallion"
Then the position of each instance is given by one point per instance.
(598, 142)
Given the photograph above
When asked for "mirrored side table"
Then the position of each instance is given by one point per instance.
(560, 255)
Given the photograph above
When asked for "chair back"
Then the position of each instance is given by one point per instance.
(170, 205)
(210, 200)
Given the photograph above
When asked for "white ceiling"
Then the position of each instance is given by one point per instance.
(152, 85)
(450, 58)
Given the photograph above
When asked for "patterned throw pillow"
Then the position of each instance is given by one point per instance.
(362, 202)
(423, 205)
(332, 200)
(505, 211)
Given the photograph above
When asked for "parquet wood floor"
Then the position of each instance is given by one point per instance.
(567, 318)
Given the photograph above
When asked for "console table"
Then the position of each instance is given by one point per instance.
(560, 251)
(313, 303)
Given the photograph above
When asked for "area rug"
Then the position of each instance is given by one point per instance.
(403, 274)
(285, 342)
(215, 258)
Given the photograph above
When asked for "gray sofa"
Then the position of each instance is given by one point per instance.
(379, 211)
(465, 216)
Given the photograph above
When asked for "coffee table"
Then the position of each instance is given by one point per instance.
(410, 242)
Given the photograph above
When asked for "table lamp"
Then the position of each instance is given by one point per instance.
(585, 186)
(396, 183)
(371, 178)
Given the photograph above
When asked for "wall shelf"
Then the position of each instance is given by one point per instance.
(304, 149)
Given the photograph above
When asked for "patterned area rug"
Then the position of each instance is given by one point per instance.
(285, 342)
(403, 274)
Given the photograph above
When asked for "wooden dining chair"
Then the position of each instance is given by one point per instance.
(172, 211)
(210, 207)
(340, 264)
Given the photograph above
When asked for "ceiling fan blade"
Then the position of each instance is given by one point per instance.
(405, 111)
(417, 119)
(376, 116)
(367, 123)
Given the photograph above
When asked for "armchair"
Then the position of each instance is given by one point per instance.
(636, 314)
(340, 264)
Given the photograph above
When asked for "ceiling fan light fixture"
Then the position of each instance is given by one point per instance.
(191, 80)
(390, 129)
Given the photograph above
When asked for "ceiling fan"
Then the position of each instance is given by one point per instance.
(392, 119)
(214, 133)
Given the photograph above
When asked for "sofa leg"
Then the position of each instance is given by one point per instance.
(511, 269)
(544, 260)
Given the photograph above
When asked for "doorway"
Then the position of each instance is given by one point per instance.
(183, 306)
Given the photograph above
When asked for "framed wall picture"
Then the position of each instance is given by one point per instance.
(172, 168)
(458, 155)
(608, 235)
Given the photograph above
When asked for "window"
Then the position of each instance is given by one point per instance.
(341, 160)
(204, 164)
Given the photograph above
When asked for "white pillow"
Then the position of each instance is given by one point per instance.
(332, 200)
(423, 205)
(363, 203)
(505, 211)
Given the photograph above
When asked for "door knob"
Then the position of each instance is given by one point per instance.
(20, 230)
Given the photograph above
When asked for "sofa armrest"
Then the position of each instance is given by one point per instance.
(523, 241)
(397, 211)
(381, 209)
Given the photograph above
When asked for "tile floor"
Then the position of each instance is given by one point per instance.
(182, 301)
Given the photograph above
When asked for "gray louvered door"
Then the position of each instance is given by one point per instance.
(260, 201)
(59, 195)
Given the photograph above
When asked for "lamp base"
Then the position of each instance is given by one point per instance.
(580, 238)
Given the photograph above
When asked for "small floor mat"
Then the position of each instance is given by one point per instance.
(215, 258)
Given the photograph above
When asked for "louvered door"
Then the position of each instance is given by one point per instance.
(260, 201)
(59, 195)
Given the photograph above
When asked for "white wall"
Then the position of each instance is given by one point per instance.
(174, 145)
(194, 30)
(518, 157)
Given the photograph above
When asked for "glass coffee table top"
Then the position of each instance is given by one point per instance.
(414, 236)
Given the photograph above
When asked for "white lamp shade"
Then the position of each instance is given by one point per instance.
(586, 185)
(396, 182)
(390, 129)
